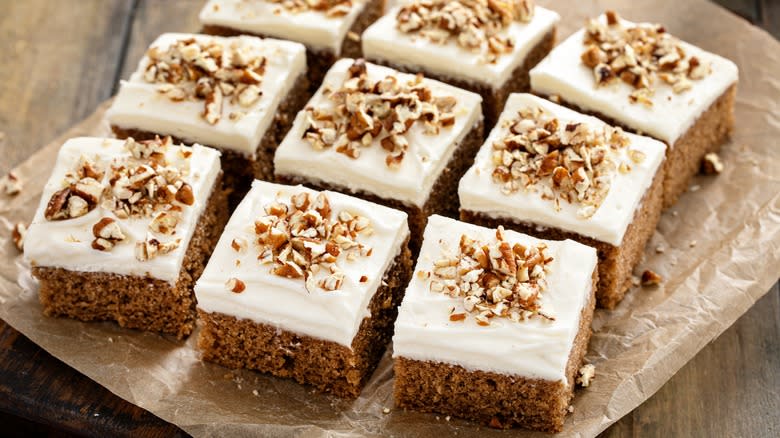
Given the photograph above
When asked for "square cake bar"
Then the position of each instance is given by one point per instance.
(556, 174)
(494, 326)
(124, 229)
(640, 77)
(484, 47)
(397, 139)
(330, 29)
(305, 285)
(238, 95)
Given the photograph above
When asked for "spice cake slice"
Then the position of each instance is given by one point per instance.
(330, 29)
(238, 95)
(554, 173)
(484, 47)
(124, 229)
(494, 326)
(640, 77)
(305, 285)
(393, 138)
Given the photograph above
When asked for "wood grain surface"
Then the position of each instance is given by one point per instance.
(731, 388)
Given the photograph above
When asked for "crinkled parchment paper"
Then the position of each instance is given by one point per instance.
(722, 253)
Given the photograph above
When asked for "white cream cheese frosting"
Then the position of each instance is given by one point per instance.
(535, 347)
(67, 243)
(562, 73)
(384, 42)
(479, 193)
(262, 17)
(424, 161)
(284, 302)
(139, 104)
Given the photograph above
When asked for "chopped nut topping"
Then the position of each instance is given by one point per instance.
(11, 184)
(207, 71)
(235, 285)
(638, 55)
(570, 162)
(711, 165)
(150, 248)
(495, 279)
(650, 278)
(107, 233)
(586, 374)
(17, 235)
(384, 110)
(331, 8)
(475, 25)
(302, 238)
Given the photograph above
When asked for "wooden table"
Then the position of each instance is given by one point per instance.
(729, 389)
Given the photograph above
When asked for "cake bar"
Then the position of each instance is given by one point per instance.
(556, 174)
(393, 138)
(238, 95)
(305, 285)
(124, 229)
(640, 77)
(482, 46)
(494, 326)
(330, 29)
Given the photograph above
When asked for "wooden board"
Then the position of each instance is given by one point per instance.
(728, 389)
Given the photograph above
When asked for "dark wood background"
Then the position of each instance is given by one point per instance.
(731, 388)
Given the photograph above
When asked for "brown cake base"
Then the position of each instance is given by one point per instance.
(493, 99)
(328, 366)
(132, 301)
(616, 263)
(497, 400)
(683, 159)
(443, 199)
(319, 61)
(239, 169)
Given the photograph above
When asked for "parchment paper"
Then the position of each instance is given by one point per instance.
(722, 253)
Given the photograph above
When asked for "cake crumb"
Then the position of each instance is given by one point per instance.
(255, 393)
(695, 188)
(353, 36)
(586, 374)
(110, 340)
(570, 408)
(675, 213)
(635, 280)
(17, 234)
(711, 165)
(447, 418)
(660, 249)
(692, 243)
(651, 278)
(554, 98)
(386, 410)
(11, 184)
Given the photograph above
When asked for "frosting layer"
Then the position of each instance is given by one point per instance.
(536, 347)
(562, 73)
(284, 302)
(312, 28)
(479, 193)
(411, 182)
(383, 41)
(67, 243)
(139, 104)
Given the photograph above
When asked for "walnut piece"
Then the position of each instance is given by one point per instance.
(494, 279)
(107, 233)
(384, 110)
(150, 248)
(235, 285)
(11, 184)
(711, 164)
(476, 26)
(638, 55)
(18, 233)
(586, 374)
(650, 278)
